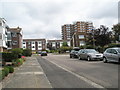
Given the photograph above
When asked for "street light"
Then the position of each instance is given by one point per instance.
(93, 38)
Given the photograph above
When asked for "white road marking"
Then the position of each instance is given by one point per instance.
(81, 77)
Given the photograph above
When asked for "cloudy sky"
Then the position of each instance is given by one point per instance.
(44, 18)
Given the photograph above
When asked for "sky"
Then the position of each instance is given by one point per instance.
(44, 18)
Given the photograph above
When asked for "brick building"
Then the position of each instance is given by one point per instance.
(56, 44)
(34, 44)
(77, 32)
(67, 30)
(14, 38)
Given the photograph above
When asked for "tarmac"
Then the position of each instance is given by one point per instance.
(28, 75)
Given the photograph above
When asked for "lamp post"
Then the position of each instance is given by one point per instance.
(93, 38)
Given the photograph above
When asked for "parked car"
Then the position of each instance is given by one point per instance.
(39, 52)
(89, 54)
(74, 53)
(43, 53)
(111, 55)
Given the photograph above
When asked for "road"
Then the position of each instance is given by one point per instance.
(63, 72)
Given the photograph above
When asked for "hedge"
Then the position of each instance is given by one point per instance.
(6, 69)
(2, 74)
(11, 69)
(27, 52)
(7, 57)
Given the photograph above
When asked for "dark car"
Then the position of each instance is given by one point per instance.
(74, 53)
(89, 54)
(111, 55)
(43, 53)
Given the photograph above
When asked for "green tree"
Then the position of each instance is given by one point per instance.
(116, 30)
(100, 37)
(64, 44)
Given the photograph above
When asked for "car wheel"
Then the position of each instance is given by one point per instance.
(104, 60)
(79, 57)
(88, 58)
(70, 56)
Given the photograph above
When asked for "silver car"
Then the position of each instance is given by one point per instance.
(111, 55)
(89, 54)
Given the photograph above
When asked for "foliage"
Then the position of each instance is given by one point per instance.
(27, 52)
(6, 69)
(116, 29)
(64, 44)
(53, 51)
(112, 45)
(16, 52)
(17, 62)
(2, 74)
(63, 49)
(100, 37)
(7, 57)
(11, 69)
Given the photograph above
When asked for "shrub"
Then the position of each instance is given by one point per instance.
(114, 45)
(2, 74)
(18, 62)
(63, 49)
(27, 52)
(7, 57)
(100, 49)
(89, 47)
(11, 69)
(17, 52)
(6, 69)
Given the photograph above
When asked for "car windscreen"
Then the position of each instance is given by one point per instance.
(118, 50)
(76, 49)
(91, 51)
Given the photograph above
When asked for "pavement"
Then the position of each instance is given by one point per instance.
(28, 75)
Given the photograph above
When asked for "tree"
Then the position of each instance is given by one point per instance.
(100, 37)
(116, 29)
(64, 44)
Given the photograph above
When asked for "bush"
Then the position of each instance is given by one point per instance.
(17, 52)
(63, 49)
(11, 69)
(18, 62)
(2, 74)
(113, 45)
(6, 69)
(27, 52)
(100, 49)
(7, 57)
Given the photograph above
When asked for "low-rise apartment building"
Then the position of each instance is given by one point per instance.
(3, 35)
(14, 38)
(56, 44)
(34, 44)
(78, 39)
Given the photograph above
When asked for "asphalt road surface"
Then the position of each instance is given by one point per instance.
(63, 72)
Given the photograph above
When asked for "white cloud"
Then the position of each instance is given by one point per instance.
(43, 18)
